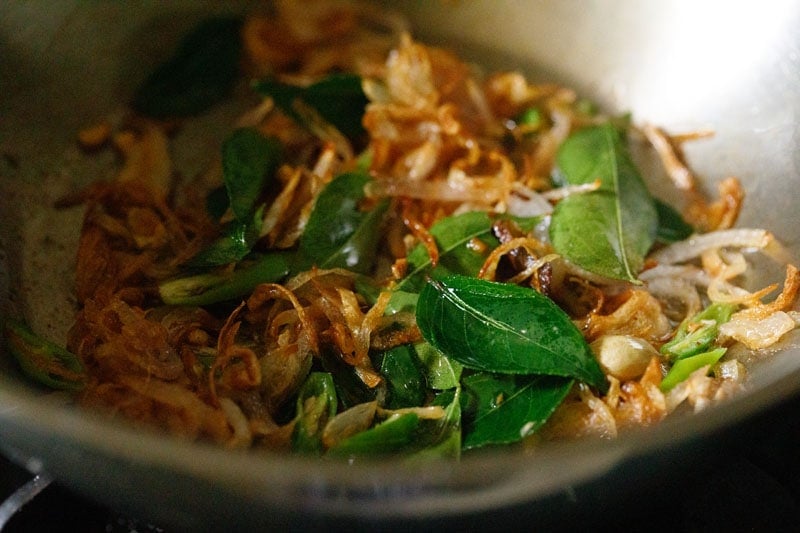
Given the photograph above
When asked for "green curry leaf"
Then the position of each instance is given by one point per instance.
(608, 231)
(233, 245)
(442, 372)
(455, 237)
(671, 225)
(338, 232)
(504, 328)
(405, 382)
(201, 72)
(442, 437)
(510, 408)
(339, 99)
(249, 161)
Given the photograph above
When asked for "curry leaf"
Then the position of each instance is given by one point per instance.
(249, 161)
(201, 72)
(339, 99)
(338, 233)
(405, 382)
(464, 241)
(608, 231)
(510, 408)
(442, 372)
(671, 225)
(402, 301)
(217, 202)
(442, 437)
(235, 243)
(504, 328)
(350, 389)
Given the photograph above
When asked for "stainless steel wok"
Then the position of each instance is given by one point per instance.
(733, 67)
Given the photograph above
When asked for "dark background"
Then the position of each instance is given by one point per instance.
(747, 479)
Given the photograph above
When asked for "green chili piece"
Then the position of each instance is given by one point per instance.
(683, 368)
(316, 405)
(212, 288)
(697, 334)
(392, 435)
(43, 361)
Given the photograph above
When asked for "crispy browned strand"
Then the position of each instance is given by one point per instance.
(719, 214)
(637, 313)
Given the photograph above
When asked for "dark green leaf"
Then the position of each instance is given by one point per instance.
(217, 202)
(608, 231)
(402, 301)
(405, 383)
(442, 437)
(671, 225)
(316, 404)
(339, 99)
(350, 390)
(249, 161)
(43, 361)
(455, 238)
(212, 288)
(390, 436)
(338, 233)
(200, 73)
(504, 328)
(442, 372)
(236, 242)
(510, 408)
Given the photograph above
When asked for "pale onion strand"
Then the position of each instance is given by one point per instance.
(430, 412)
(267, 291)
(324, 167)
(672, 161)
(242, 437)
(689, 273)
(723, 264)
(525, 202)
(559, 193)
(695, 245)
(757, 333)
(280, 206)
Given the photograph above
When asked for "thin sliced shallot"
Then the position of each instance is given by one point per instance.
(694, 246)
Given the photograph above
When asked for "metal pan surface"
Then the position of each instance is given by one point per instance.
(683, 65)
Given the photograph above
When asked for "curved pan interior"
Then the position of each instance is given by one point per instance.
(683, 65)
